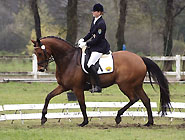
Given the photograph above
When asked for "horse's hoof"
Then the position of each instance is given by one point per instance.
(83, 124)
(43, 120)
(149, 124)
(118, 119)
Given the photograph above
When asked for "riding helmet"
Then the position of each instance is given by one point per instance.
(98, 7)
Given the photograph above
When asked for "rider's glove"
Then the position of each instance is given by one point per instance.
(81, 40)
(82, 44)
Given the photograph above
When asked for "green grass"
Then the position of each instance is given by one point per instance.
(97, 129)
(25, 65)
(36, 92)
(105, 128)
(20, 65)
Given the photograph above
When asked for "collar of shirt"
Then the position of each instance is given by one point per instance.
(96, 19)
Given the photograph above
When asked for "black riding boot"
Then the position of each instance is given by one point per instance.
(93, 73)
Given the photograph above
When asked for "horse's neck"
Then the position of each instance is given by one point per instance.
(58, 50)
(63, 55)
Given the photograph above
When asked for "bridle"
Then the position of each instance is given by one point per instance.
(47, 59)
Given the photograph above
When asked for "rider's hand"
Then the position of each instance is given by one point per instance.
(81, 40)
(82, 44)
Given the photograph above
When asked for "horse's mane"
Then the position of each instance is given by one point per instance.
(56, 37)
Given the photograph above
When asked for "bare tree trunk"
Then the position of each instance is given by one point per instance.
(121, 24)
(167, 36)
(72, 21)
(34, 9)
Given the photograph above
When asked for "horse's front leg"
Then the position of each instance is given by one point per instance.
(81, 100)
(52, 94)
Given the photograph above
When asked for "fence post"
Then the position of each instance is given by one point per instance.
(34, 66)
(178, 67)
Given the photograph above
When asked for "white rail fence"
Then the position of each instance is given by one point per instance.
(178, 59)
(20, 111)
(177, 73)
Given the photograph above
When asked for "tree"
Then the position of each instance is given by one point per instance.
(168, 29)
(167, 34)
(170, 14)
(72, 21)
(34, 9)
(121, 24)
(49, 26)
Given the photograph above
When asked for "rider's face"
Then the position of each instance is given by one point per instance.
(96, 14)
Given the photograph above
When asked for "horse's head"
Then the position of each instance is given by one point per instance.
(43, 55)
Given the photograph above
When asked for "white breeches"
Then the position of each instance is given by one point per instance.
(94, 58)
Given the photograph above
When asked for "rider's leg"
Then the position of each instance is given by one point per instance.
(93, 73)
(91, 65)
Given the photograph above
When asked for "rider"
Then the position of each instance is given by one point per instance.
(98, 45)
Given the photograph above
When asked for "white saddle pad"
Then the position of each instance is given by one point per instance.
(106, 63)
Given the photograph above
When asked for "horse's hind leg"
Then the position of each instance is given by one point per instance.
(146, 101)
(133, 99)
(52, 94)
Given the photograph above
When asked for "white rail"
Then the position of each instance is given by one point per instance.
(178, 60)
(97, 107)
(34, 66)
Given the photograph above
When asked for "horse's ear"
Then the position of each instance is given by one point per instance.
(34, 42)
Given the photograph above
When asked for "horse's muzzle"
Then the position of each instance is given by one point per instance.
(41, 69)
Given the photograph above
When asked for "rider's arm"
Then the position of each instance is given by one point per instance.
(99, 35)
(88, 36)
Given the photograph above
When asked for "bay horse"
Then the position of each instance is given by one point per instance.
(129, 73)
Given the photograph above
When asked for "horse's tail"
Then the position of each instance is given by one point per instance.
(158, 76)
